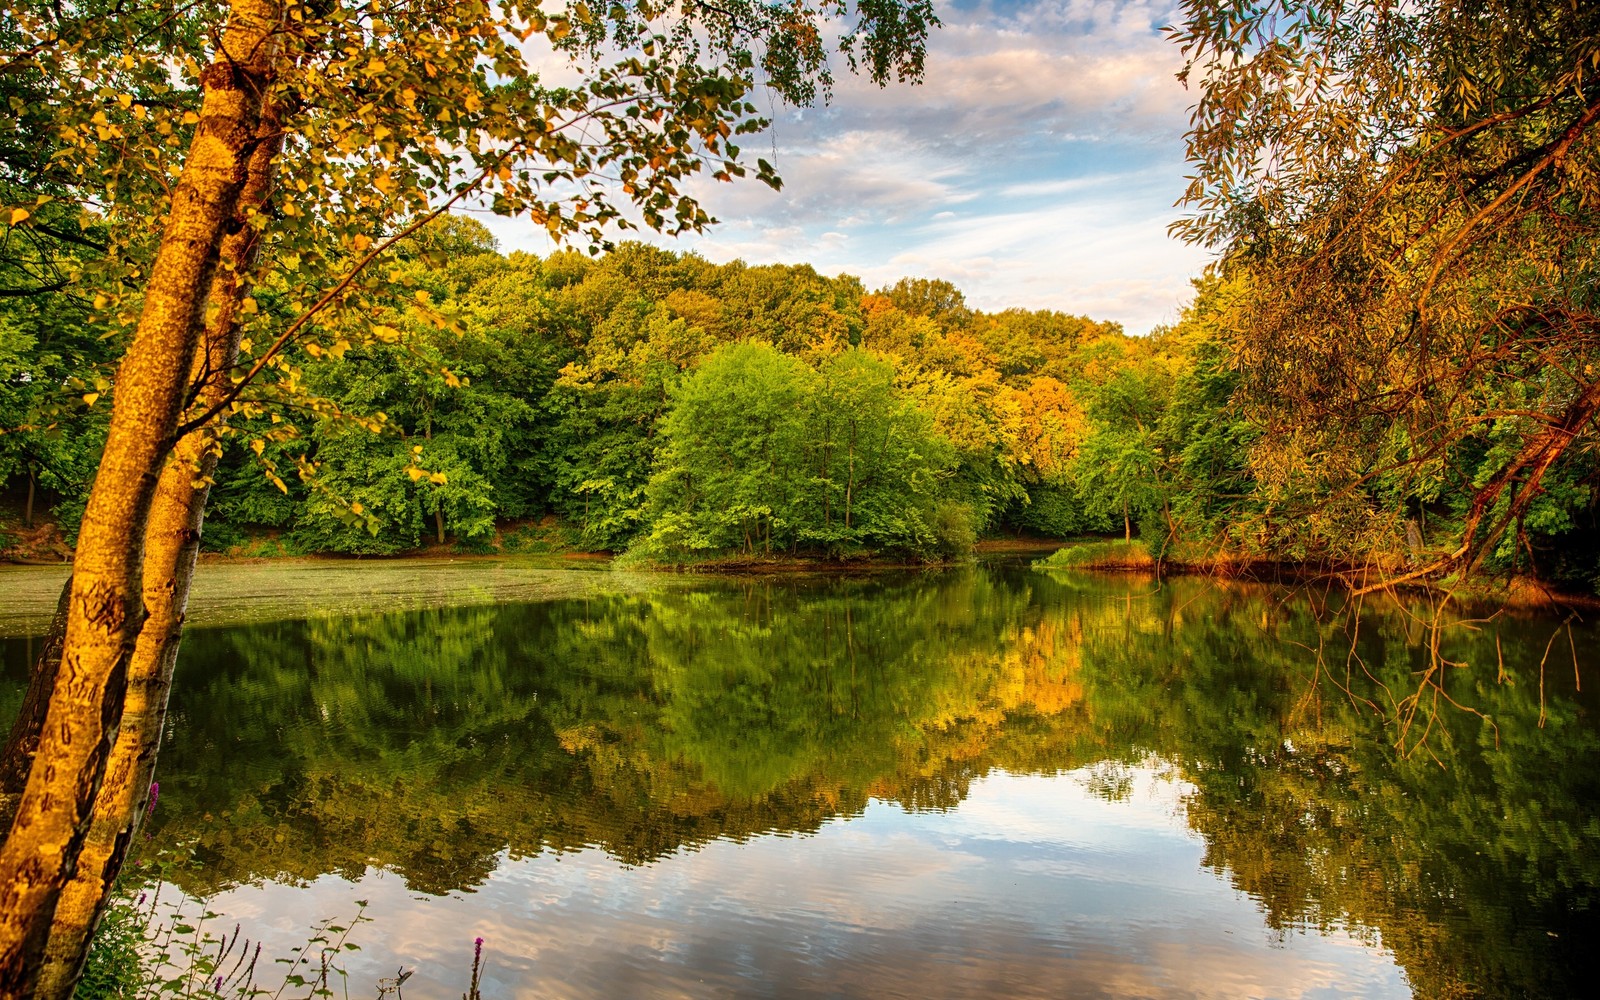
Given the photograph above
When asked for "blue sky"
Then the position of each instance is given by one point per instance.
(1036, 167)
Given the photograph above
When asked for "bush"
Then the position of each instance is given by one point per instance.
(955, 529)
(1117, 554)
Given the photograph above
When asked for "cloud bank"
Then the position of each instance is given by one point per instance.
(1037, 166)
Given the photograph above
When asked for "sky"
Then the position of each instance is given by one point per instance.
(1036, 167)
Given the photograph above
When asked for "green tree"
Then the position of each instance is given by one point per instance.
(727, 469)
(1119, 468)
(764, 452)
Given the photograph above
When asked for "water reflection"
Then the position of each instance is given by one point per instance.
(1008, 783)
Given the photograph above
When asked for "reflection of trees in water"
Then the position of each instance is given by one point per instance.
(428, 742)
(1466, 855)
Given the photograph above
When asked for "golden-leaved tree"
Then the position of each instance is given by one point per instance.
(253, 159)
(1407, 199)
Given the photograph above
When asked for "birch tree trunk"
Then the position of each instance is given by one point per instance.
(105, 609)
(172, 543)
(17, 759)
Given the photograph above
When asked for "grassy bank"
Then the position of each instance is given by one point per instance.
(1122, 556)
(1108, 555)
(233, 592)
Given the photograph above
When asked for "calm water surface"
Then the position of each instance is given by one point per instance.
(985, 782)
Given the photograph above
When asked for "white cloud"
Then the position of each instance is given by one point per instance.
(1037, 167)
(1033, 886)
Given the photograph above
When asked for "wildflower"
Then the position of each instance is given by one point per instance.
(155, 793)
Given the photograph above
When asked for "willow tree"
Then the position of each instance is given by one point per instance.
(300, 140)
(1408, 197)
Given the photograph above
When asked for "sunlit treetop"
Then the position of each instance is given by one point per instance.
(1297, 99)
(583, 119)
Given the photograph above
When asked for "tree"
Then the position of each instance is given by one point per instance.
(727, 473)
(1118, 468)
(374, 117)
(1405, 195)
(762, 451)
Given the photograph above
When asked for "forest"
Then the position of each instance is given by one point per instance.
(654, 403)
(1385, 373)
(653, 400)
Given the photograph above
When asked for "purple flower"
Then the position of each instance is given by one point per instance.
(155, 793)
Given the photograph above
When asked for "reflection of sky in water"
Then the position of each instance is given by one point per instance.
(1034, 886)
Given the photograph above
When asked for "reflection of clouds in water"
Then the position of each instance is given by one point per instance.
(1033, 887)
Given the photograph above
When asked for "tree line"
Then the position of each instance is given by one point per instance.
(655, 402)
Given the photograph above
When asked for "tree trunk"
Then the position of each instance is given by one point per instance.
(172, 543)
(24, 739)
(1127, 524)
(105, 610)
(27, 511)
(438, 523)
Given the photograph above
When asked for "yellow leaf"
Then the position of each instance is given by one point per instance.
(415, 473)
(258, 446)
(190, 118)
(90, 397)
(438, 478)
(362, 241)
(19, 216)
(356, 508)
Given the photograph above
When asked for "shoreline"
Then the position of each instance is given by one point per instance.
(1514, 593)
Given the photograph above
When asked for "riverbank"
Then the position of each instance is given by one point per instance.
(249, 591)
(548, 544)
(1133, 556)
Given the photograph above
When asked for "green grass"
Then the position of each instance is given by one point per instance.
(1116, 554)
(243, 593)
(115, 968)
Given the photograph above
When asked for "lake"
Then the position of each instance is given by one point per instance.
(986, 781)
